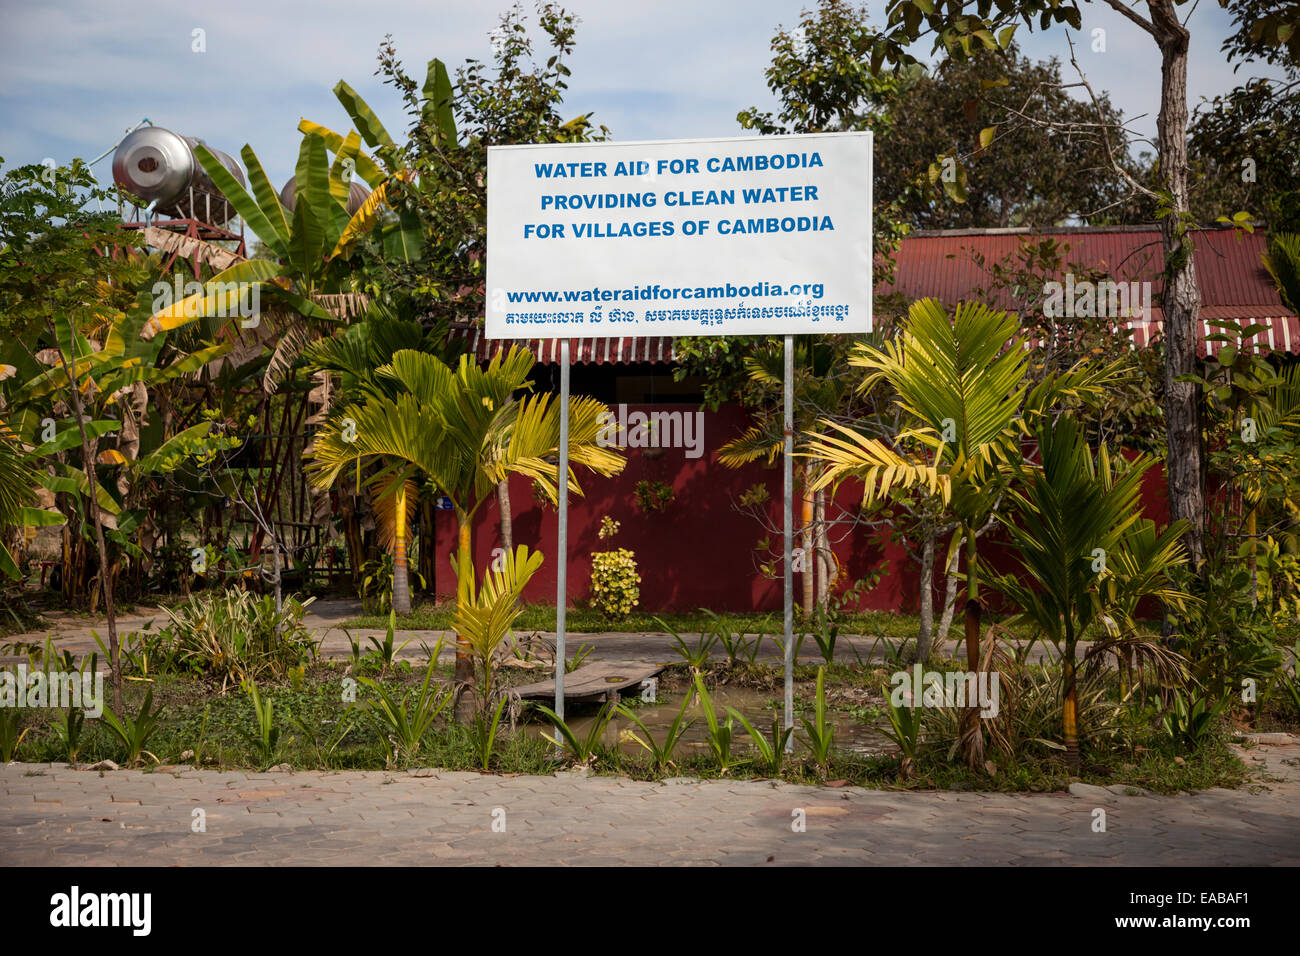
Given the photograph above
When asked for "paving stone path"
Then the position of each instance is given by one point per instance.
(324, 619)
(53, 815)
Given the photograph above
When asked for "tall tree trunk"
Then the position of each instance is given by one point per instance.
(1252, 560)
(276, 580)
(1070, 709)
(825, 558)
(925, 635)
(352, 536)
(465, 567)
(401, 579)
(950, 586)
(507, 520)
(1182, 297)
(972, 736)
(429, 546)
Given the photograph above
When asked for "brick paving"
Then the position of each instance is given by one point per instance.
(324, 620)
(53, 815)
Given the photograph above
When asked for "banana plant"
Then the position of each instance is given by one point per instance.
(401, 236)
(17, 479)
(310, 242)
(310, 245)
(117, 375)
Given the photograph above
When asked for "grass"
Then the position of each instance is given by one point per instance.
(222, 728)
(541, 617)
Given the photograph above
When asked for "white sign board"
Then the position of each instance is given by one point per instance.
(765, 235)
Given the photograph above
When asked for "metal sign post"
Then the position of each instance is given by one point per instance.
(788, 586)
(562, 534)
(585, 241)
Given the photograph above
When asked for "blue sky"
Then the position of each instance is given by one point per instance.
(75, 75)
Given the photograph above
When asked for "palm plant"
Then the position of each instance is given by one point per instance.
(771, 748)
(355, 354)
(1072, 514)
(820, 730)
(407, 726)
(464, 430)
(1283, 264)
(580, 749)
(964, 384)
(818, 390)
(485, 614)
(721, 733)
(134, 732)
(661, 754)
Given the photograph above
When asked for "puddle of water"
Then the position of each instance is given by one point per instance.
(851, 733)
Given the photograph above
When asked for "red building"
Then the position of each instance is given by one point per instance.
(699, 550)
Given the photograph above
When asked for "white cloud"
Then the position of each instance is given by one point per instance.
(73, 79)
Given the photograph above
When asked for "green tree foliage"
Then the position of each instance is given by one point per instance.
(513, 99)
(1242, 144)
(1024, 151)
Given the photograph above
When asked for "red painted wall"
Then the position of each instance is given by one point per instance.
(698, 552)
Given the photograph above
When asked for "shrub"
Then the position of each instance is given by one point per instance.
(232, 636)
(1228, 637)
(377, 584)
(654, 496)
(615, 583)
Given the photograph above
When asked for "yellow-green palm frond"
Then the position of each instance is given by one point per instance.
(964, 376)
(398, 429)
(485, 615)
(754, 444)
(880, 467)
(534, 443)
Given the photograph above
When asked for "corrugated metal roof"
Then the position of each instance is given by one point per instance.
(952, 266)
(621, 351)
(947, 266)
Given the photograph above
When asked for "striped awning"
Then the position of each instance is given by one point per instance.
(656, 349)
(1281, 332)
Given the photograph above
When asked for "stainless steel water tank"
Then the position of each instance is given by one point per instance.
(156, 165)
(357, 195)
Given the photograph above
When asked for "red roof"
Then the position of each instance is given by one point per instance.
(622, 351)
(1234, 284)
